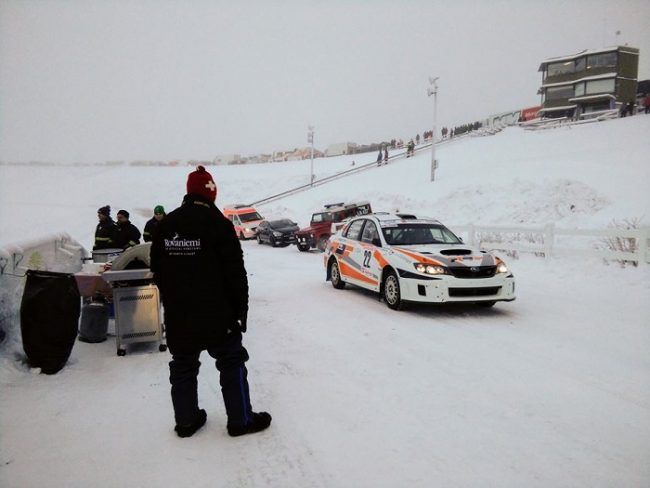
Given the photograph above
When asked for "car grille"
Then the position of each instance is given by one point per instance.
(473, 271)
(474, 292)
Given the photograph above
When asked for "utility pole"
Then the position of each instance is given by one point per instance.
(310, 139)
(433, 91)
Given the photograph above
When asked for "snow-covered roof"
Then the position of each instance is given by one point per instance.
(553, 109)
(592, 97)
(584, 78)
(623, 49)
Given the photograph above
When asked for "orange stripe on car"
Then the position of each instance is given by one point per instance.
(418, 257)
(379, 258)
(353, 273)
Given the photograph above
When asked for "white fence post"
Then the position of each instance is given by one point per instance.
(549, 237)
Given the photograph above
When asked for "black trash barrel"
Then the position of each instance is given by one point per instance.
(49, 316)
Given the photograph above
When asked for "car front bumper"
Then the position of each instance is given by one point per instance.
(449, 289)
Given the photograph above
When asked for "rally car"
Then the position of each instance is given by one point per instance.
(410, 259)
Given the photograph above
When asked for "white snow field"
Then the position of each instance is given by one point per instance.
(551, 390)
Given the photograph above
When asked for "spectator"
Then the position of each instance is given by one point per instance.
(646, 103)
(198, 265)
(105, 230)
(152, 224)
(127, 234)
(385, 154)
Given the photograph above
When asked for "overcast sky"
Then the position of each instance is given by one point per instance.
(87, 80)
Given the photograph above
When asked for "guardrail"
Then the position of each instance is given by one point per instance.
(342, 174)
(610, 244)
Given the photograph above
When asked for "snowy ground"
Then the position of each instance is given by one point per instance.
(550, 390)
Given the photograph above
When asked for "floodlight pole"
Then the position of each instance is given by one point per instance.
(433, 91)
(310, 138)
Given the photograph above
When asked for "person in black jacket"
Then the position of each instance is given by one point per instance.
(152, 224)
(105, 230)
(126, 234)
(198, 265)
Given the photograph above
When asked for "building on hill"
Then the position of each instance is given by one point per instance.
(340, 149)
(224, 159)
(588, 82)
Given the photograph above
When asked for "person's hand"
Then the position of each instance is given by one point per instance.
(243, 317)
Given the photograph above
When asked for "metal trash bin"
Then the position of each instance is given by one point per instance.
(137, 308)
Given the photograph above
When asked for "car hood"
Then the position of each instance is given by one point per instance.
(286, 230)
(447, 255)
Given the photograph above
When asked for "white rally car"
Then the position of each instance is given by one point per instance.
(407, 259)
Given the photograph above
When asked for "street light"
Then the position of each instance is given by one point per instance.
(433, 91)
(310, 139)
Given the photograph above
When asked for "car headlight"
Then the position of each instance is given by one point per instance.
(277, 234)
(430, 269)
(502, 268)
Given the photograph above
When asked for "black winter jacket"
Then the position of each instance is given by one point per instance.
(126, 235)
(149, 229)
(105, 234)
(198, 265)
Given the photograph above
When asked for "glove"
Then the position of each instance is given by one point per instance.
(243, 317)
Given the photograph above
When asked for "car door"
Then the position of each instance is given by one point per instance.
(351, 255)
(372, 262)
(261, 231)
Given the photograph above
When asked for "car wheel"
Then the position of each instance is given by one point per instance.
(322, 243)
(392, 292)
(303, 247)
(486, 304)
(273, 242)
(259, 239)
(335, 275)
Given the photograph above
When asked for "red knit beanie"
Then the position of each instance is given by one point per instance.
(201, 183)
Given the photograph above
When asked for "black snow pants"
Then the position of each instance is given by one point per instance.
(230, 357)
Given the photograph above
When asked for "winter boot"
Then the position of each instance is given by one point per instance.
(189, 429)
(260, 422)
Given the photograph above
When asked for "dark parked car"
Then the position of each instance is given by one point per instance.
(277, 232)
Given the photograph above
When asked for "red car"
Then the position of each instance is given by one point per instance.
(326, 222)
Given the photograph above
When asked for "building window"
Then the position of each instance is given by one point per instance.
(560, 68)
(581, 64)
(559, 92)
(604, 60)
(601, 86)
(596, 107)
(579, 90)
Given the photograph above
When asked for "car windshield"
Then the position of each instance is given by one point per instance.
(414, 234)
(321, 217)
(250, 217)
(280, 224)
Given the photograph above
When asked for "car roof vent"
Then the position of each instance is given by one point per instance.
(406, 216)
(330, 205)
(240, 205)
